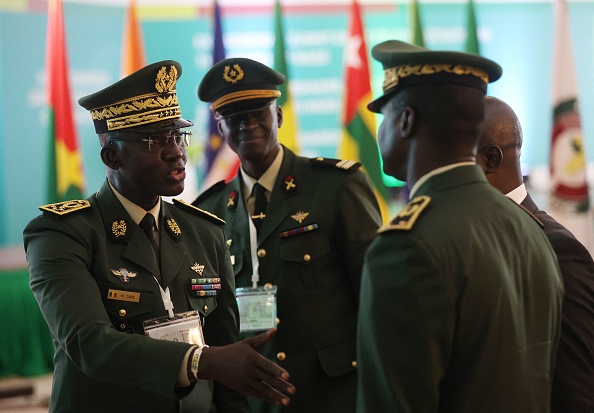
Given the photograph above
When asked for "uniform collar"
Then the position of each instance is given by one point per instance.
(136, 212)
(267, 179)
(434, 172)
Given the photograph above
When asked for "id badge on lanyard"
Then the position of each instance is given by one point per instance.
(257, 304)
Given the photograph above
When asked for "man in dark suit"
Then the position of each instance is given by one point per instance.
(499, 156)
(308, 242)
(461, 294)
(104, 275)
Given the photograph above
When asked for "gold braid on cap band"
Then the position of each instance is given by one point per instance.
(393, 75)
(244, 95)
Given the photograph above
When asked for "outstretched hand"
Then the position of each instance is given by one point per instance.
(241, 367)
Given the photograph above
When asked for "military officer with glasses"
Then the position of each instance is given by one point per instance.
(138, 293)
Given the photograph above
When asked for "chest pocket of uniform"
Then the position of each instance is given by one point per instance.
(312, 253)
(205, 305)
(127, 309)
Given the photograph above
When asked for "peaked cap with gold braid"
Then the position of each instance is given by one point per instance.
(407, 65)
(146, 100)
(239, 85)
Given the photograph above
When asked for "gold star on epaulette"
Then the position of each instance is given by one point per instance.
(63, 208)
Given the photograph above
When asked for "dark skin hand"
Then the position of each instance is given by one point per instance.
(240, 367)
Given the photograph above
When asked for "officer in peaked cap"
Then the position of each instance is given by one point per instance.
(298, 224)
(461, 292)
(104, 268)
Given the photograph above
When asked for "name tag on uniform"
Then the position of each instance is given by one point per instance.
(120, 295)
(257, 308)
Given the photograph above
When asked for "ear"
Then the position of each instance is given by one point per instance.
(220, 128)
(279, 116)
(493, 158)
(109, 156)
(407, 120)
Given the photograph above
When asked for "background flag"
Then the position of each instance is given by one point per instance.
(133, 55)
(221, 162)
(65, 174)
(358, 140)
(569, 199)
(417, 27)
(287, 134)
(472, 42)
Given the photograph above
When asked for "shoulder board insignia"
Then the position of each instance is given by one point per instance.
(407, 216)
(204, 214)
(214, 188)
(63, 208)
(531, 214)
(344, 165)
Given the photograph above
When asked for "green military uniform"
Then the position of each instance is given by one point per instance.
(471, 281)
(80, 254)
(334, 216)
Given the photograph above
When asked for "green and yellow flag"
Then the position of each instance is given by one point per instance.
(287, 134)
(65, 174)
(358, 138)
(417, 27)
(472, 42)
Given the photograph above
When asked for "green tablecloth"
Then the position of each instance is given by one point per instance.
(25, 342)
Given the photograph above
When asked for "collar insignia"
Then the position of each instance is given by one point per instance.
(118, 228)
(198, 268)
(172, 227)
(123, 274)
(300, 216)
(290, 185)
(232, 201)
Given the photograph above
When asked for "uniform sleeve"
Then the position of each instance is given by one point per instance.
(360, 219)
(59, 259)
(405, 327)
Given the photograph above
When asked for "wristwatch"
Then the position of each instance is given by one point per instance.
(194, 361)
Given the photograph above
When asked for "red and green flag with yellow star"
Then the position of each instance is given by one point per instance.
(65, 174)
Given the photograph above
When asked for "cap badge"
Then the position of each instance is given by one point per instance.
(123, 274)
(198, 268)
(118, 228)
(166, 81)
(233, 75)
(300, 216)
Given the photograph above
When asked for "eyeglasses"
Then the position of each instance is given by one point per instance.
(157, 143)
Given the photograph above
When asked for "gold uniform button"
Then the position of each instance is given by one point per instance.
(281, 356)
(122, 326)
(354, 363)
(307, 257)
(205, 309)
(277, 320)
(122, 313)
(261, 253)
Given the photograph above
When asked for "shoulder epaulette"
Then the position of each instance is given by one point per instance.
(66, 207)
(214, 188)
(530, 213)
(344, 165)
(200, 212)
(408, 215)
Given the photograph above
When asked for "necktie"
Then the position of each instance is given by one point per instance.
(147, 224)
(260, 205)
